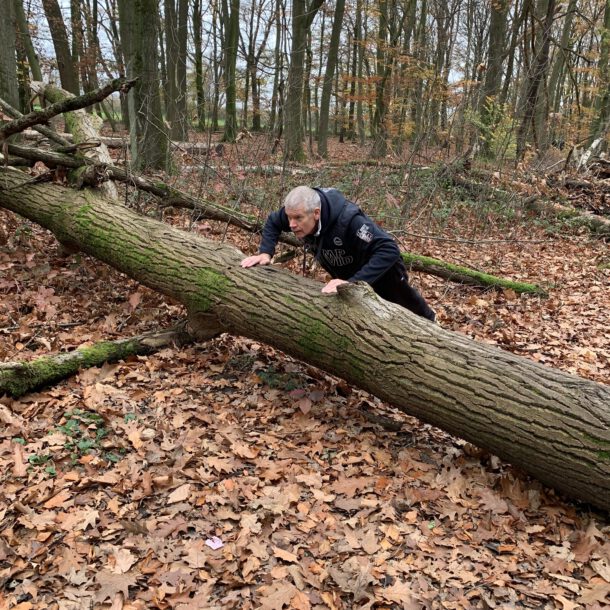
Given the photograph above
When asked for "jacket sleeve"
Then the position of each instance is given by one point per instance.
(274, 225)
(374, 247)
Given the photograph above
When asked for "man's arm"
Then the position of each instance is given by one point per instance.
(274, 225)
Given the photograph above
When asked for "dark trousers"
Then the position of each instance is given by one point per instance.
(394, 286)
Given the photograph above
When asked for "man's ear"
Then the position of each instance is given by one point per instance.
(316, 213)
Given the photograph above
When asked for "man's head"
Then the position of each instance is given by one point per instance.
(303, 208)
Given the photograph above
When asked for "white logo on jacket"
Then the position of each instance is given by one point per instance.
(337, 241)
(337, 258)
(365, 234)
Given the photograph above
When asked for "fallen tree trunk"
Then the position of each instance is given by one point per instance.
(598, 225)
(554, 425)
(464, 275)
(19, 378)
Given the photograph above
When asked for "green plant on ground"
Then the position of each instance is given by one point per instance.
(84, 431)
(281, 380)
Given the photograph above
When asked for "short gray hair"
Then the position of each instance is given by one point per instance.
(303, 196)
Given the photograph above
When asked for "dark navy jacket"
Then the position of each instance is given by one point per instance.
(349, 245)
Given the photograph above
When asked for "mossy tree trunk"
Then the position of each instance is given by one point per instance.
(553, 425)
(19, 378)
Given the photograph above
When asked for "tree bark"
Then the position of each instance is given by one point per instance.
(65, 63)
(333, 53)
(149, 141)
(554, 425)
(303, 13)
(9, 89)
(230, 16)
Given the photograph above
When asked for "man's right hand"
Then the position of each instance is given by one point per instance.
(258, 259)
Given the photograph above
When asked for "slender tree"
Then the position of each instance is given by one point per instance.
(488, 101)
(531, 96)
(230, 18)
(303, 13)
(24, 35)
(602, 101)
(331, 63)
(9, 88)
(149, 140)
(198, 44)
(65, 62)
(176, 35)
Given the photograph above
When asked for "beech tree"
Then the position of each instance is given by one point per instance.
(149, 141)
(8, 65)
(65, 61)
(303, 13)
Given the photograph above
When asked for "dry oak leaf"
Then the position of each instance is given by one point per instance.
(369, 542)
(285, 555)
(244, 451)
(196, 555)
(596, 593)
(180, 494)
(78, 519)
(113, 583)
(300, 601)
(277, 595)
(20, 468)
(222, 465)
(58, 499)
(354, 576)
(123, 560)
(566, 604)
(399, 593)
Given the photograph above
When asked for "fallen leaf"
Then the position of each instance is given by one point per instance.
(20, 468)
(111, 584)
(123, 560)
(180, 494)
(285, 555)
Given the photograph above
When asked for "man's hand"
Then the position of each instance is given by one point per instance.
(331, 287)
(258, 259)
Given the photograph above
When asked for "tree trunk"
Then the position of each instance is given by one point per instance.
(198, 65)
(554, 425)
(65, 63)
(488, 103)
(149, 142)
(532, 91)
(19, 378)
(9, 89)
(563, 58)
(303, 13)
(602, 101)
(333, 53)
(24, 33)
(176, 24)
(230, 17)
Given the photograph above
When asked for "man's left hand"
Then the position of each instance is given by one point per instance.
(331, 287)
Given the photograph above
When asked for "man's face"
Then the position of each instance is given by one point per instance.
(303, 223)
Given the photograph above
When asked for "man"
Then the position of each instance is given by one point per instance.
(345, 241)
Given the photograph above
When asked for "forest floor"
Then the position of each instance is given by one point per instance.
(228, 475)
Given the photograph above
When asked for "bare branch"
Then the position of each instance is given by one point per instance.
(73, 103)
